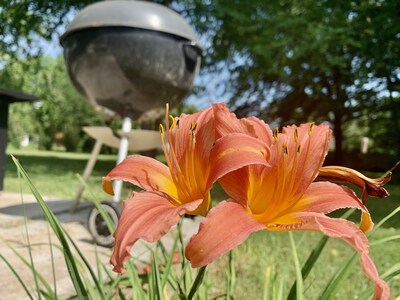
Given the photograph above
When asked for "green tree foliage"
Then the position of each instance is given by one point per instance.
(23, 23)
(61, 109)
(302, 60)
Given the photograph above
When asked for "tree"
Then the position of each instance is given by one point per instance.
(287, 61)
(61, 108)
(24, 23)
(297, 61)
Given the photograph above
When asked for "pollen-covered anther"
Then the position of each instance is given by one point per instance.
(285, 150)
(193, 136)
(276, 131)
(298, 149)
(296, 135)
(192, 130)
(193, 127)
(161, 130)
(173, 121)
(310, 129)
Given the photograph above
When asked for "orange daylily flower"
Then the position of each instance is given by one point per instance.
(282, 196)
(195, 160)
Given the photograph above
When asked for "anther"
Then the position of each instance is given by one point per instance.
(296, 135)
(276, 134)
(285, 150)
(298, 149)
(173, 122)
(162, 129)
(310, 128)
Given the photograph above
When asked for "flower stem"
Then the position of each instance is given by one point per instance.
(197, 282)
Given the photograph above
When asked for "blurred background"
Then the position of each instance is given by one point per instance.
(283, 61)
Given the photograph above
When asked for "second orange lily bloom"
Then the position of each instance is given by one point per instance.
(283, 196)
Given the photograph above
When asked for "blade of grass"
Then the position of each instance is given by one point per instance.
(155, 272)
(121, 294)
(267, 283)
(231, 276)
(53, 270)
(114, 283)
(308, 265)
(135, 281)
(299, 278)
(387, 276)
(98, 266)
(381, 222)
(17, 276)
(89, 286)
(57, 228)
(282, 280)
(109, 222)
(27, 236)
(88, 266)
(197, 282)
(151, 290)
(334, 284)
(384, 240)
(313, 257)
(170, 258)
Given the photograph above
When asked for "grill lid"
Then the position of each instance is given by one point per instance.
(131, 13)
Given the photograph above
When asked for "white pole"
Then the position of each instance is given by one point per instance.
(364, 145)
(122, 153)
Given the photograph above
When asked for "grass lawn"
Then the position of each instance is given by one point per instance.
(54, 174)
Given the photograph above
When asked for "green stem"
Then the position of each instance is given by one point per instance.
(197, 282)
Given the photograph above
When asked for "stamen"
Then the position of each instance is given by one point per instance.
(173, 121)
(310, 129)
(285, 150)
(298, 149)
(172, 161)
(296, 135)
(162, 132)
(194, 127)
(276, 131)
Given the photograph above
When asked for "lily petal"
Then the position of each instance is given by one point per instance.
(225, 227)
(236, 184)
(372, 187)
(311, 142)
(348, 231)
(235, 151)
(326, 197)
(180, 133)
(145, 172)
(147, 216)
(227, 122)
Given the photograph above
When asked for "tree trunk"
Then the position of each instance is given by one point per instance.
(338, 134)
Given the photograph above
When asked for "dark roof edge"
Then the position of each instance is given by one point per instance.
(16, 96)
